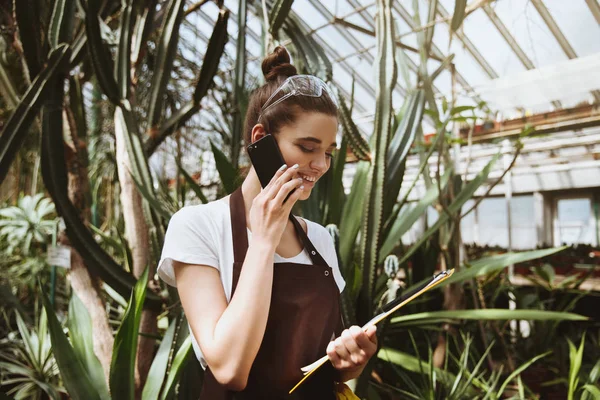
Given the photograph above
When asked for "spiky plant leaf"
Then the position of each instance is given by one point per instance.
(278, 14)
(406, 220)
(183, 354)
(75, 377)
(100, 56)
(15, 130)
(465, 194)
(27, 13)
(123, 72)
(459, 14)
(192, 183)
(229, 175)
(156, 375)
(165, 54)
(122, 380)
(399, 147)
(357, 143)
(61, 23)
(81, 334)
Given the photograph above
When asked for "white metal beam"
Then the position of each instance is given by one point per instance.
(560, 38)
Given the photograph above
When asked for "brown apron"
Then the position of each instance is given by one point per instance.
(303, 315)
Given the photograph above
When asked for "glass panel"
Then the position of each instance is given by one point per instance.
(574, 222)
(493, 222)
(523, 229)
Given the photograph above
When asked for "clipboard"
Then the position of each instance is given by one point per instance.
(388, 309)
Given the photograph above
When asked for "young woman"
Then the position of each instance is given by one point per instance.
(260, 287)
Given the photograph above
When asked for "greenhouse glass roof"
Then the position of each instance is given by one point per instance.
(521, 57)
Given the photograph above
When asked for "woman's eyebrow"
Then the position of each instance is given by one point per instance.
(316, 140)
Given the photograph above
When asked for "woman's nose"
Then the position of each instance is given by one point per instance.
(320, 162)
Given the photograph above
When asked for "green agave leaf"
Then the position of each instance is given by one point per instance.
(278, 14)
(357, 143)
(461, 109)
(123, 72)
(192, 183)
(181, 358)
(414, 364)
(229, 176)
(428, 34)
(143, 28)
(459, 14)
(593, 390)
(77, 105)
(337, 196)
(309, 56)
(156, 375)
(488, 265)
(594, 373)
(520, 369)
(214, 52)
(313, 55)
(351, 214)
(75, 378)
(78, 47)
(7, 86)
(61, 23)
(81, 334)
(575, 359)
(405, 134)
(489, 314)
(100, 56)
(15, 130)
(406, 220)
(325, 66)
(34, 48)
(373, 211)
(165, 55)
(122, 367)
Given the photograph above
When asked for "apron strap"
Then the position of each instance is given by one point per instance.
(315, 256)
(240, 236)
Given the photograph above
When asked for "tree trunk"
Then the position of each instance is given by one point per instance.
(85, 285)
(136, 232)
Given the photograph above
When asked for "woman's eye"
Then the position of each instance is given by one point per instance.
(310, 150)
(306, 149)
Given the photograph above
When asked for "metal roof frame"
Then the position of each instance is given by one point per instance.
(361, 9)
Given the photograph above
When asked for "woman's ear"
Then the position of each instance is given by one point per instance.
(258, 132)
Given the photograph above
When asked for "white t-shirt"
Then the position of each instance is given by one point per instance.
(201, 234)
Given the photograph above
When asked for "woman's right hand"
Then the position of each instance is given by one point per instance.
(269, 213)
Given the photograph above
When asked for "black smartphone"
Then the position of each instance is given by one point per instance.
(266, 158)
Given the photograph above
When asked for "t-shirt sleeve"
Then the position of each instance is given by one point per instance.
(332, 259)
(187, 241)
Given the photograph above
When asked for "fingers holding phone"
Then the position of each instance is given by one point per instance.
(284, 176)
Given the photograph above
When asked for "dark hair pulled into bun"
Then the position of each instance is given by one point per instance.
(276, 68)
(278, 64)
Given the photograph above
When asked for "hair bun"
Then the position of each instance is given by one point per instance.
(278, 64)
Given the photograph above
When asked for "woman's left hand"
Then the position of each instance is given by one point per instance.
(352, 350)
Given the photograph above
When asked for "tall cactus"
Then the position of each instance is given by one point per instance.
(114, 78)
(386, 74)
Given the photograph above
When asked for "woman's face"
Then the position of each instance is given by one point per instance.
(309, 142)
